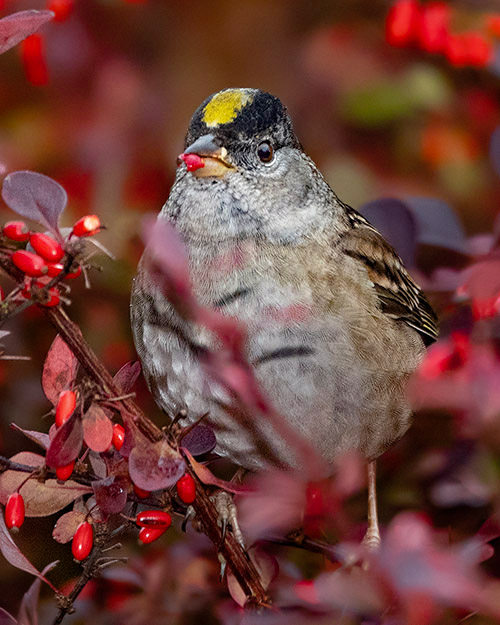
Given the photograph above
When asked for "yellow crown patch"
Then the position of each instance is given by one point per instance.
(225, 106)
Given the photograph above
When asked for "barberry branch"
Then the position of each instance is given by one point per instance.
(206, 514)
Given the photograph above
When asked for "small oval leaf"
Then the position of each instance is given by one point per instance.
(111, 493)
(97, 429)
(66, 525)
(35, 197)
(200, 440)
(127, 376)
(154, 466)
(59, 370)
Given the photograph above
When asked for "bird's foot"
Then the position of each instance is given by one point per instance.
(227, 515)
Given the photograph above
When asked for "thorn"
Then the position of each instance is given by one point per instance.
(116, 546)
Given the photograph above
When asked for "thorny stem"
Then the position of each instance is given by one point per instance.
(91, 567)
(237, 560)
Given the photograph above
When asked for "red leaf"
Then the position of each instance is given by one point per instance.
(97, 429)
(59, 370)
(154, 466)
(127, 376)
(36, 197)
(66, 444)
(16, 27)
(207, 477)
(14, 556)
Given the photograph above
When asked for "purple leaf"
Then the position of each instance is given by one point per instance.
(28, 610)
(127, 376)
(97, 429)
(35, 197)
(66, 444)
(16, 27)
(111, 493)
(437, 224)
(154, 466)
(98, 464)
(14, 556)
(200, 440)
(59, 370)
(394, 220)
(40, 438)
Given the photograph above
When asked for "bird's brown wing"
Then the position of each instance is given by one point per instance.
(399, 296)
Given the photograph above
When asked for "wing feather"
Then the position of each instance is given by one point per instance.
(400, 297)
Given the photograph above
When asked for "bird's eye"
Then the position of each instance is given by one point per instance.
(265, 152)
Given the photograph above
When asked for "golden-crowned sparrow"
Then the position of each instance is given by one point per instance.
(335, 323)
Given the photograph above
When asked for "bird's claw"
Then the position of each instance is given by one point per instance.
(190, 514)
(227, 515)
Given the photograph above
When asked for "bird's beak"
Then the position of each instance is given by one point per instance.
(204, 158)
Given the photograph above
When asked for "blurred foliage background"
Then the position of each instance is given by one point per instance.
(103, 109)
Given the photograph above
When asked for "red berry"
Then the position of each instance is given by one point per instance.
(469, 49)
(493, 25)
(118, 436)
(66, 404)
(63, 473)
(193, 161)
(54, 269)
(402, 23)
(62, 9)
(87, 226)
(74, 274)
(46, 247)
(33, 55)
(29, 263)
(155, 518)
(2, 294)
(480, 50)
(16, 231)
(83, 541)
(433, 28)
(141, 493)
(149, 534)
(53, 298)
(186, 489)
(14, 511)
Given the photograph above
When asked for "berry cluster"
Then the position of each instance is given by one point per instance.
(429, 27)
(47, 260)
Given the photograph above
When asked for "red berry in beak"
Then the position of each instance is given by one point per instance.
(193, 161)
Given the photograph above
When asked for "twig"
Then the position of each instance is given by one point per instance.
(237, 560)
